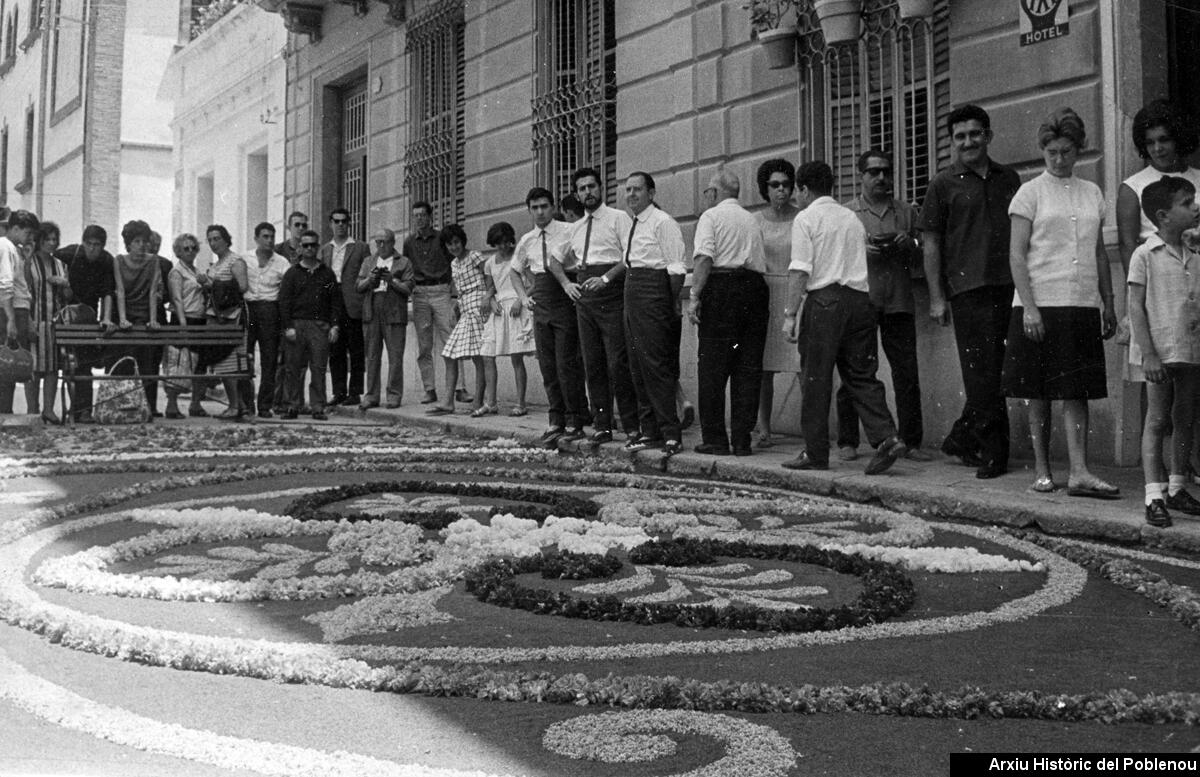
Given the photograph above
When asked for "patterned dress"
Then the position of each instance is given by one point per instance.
(506, 334)
(467, 338)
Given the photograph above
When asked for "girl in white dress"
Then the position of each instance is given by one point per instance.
(510, 327)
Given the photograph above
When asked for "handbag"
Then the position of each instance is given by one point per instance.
(226, 294)
(121, 401)
(76, 314)
(179, 361)
(16, 365)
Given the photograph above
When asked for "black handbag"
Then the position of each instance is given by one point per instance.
(226, 294)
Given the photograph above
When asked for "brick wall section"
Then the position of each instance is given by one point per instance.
(102, 149)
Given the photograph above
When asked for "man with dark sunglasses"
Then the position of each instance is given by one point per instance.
(313, 316)
(297, 223)
(893, 253)
(347, 358)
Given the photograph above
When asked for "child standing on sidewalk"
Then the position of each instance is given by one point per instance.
(1164, 315)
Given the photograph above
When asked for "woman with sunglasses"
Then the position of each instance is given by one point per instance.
(776, 180)
(187, 301)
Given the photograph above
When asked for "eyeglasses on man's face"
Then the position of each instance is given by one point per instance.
(189, 247)
(779, 184)
(340, 220)
(309, 245)
(299, 225)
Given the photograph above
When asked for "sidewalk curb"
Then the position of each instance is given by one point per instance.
(972, 504)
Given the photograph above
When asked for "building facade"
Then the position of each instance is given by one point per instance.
(468, 103)
(83, 137)
(226, 79)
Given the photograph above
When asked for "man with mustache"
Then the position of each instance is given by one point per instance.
(965, 223)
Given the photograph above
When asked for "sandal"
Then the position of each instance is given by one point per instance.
(1043, 485)
(484, 409)
(519, 410)
(764, 441)
(1094, 489)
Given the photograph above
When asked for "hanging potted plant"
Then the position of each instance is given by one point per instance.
(841, 20)
(775, 29)
(916, 9)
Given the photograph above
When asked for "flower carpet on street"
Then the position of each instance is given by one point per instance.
(575, 615)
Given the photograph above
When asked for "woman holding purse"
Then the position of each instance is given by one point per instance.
(226, 282)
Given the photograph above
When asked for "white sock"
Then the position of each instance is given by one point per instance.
(1153, 491)
(1175, 483)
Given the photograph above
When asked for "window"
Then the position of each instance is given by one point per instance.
(888, 90)
(35, 16)
(27, 169)
(434, 156)
(575, 106)
(354, 157)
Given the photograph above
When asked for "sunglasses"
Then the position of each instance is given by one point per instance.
(309, 245)
(189, 248)
(778, 184)
(878, 171)
(340, 221)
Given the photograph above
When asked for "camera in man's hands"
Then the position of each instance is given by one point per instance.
(885, 243)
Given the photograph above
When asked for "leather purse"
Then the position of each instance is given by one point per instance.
(16, 365)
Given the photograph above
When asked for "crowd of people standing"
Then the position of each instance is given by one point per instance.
(596, 293)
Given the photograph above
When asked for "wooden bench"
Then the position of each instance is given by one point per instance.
(92, 336)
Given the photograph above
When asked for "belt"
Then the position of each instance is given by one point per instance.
(729, 270)
(433, 283)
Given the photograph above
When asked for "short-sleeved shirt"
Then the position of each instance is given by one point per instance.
(604, 244)
(265, 280)
(1172, 286)
(13, 285)
(528, 253)
(1138, 182)
(971, 216)
(830, 244)
(656, 243)
(430, 260)
(889, 276)
(1066, 214)
(729, 235)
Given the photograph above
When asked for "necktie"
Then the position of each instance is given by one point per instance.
(587, 240)
(545, 267)
(629, 243)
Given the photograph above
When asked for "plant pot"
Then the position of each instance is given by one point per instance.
(841, 20)
(916, 9)
(780, 47)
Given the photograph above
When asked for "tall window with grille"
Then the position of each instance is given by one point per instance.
(353, 164)
(434, 156)
(575, 103)
(890, 89)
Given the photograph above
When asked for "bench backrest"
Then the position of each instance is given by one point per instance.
(91, 334)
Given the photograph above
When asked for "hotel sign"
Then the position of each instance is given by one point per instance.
(1043, 20)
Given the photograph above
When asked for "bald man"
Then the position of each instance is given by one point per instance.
(386, 281)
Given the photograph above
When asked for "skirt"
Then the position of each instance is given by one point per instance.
(1067, 364)
(778, 354)
(508, 335)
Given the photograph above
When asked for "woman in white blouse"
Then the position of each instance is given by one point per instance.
(1063, 306)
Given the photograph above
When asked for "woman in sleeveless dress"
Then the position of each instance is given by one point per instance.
(1165, 139)
(227, 266)
(187, 301)
(510, 326)
(139, 288)
(776, 180)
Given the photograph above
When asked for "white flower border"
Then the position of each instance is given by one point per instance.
(341, 665)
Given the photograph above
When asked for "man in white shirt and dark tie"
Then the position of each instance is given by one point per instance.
(539, 255)
(598, 247)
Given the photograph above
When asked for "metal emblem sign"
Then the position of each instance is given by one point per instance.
(1043, 20)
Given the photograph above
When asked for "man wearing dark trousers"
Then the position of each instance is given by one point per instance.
(965, 223)
(555, 327)
(892, 253)
(654, 272)
(827, 281)
(90, 273)
(312, 315)
(729, 302)
(265, 271)
(347, 357)
(598, 245)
